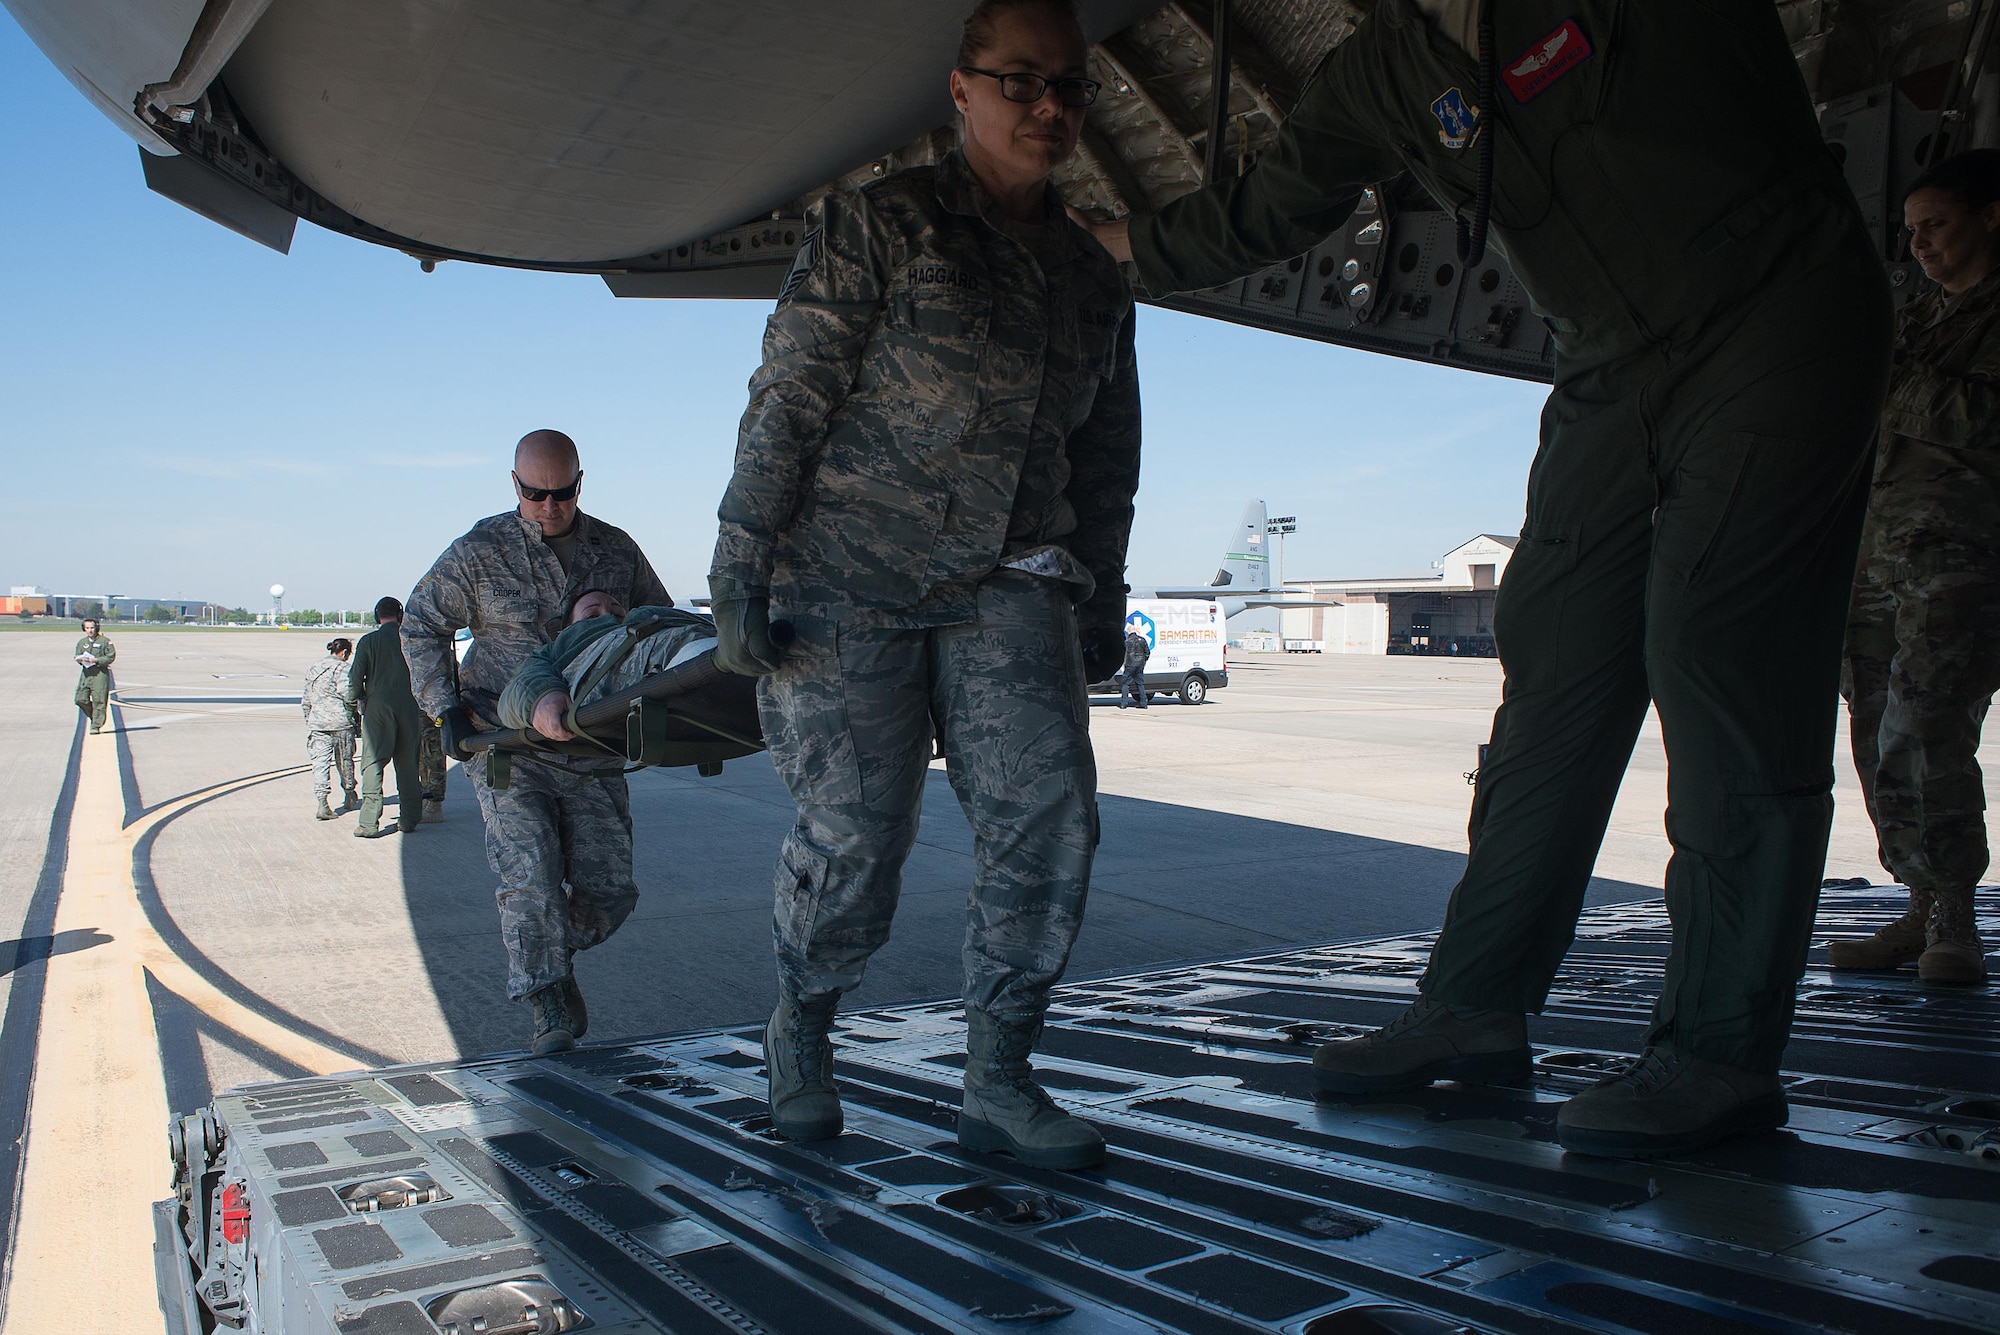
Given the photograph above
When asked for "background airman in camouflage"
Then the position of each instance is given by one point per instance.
(330, 728)
(934, 486)
(1923, 638)
(512, 580)
(430, 771)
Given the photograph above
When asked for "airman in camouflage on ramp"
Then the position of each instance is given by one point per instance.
(330, 728)
(430, 771)
(1923, 639)
(934, 485)
(513, 580)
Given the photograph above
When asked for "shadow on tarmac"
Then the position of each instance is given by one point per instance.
(1171, 883)
(33, 949)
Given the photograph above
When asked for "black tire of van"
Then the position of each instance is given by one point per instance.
(1193, 689)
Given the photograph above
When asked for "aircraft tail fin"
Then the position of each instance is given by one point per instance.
(1246, 557)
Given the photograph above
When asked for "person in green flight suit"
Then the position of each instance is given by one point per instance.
(93, 653)
(378, 685)
(1655, 177)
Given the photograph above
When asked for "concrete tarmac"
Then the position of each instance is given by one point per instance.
(179, 919)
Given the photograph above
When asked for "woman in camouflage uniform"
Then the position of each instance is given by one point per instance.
(934, 486)
(1923, 638)
(330, 725)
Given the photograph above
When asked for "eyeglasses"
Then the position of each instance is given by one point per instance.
(1021, 86)
(529, 493)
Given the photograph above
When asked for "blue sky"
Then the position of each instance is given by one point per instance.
(189, 414)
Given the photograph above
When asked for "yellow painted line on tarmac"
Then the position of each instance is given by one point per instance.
(96, 1153)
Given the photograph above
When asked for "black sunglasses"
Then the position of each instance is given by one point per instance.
(568, 493)
(1024, 87)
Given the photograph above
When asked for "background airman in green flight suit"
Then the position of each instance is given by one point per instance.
(93, 654)
(378, 683)
(1722, 334)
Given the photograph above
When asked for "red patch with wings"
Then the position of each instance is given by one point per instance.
(1529, 74)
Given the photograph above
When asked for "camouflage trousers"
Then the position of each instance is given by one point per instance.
(1923, 662)
(849, 719)
(561, 844)
(332, 755)
(430, 763)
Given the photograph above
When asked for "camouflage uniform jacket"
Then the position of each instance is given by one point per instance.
(323, 701)
(1937, 468)
(504, 582)
(99, 648)
(934, 403)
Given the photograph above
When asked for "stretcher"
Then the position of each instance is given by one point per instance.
(693, 713)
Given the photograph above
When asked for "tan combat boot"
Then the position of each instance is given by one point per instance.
(1429, 1041)
(1666, 1103)
(557, 1024)
(798, 1059)
(1005, 1110)
(433, 811)
(1953, 952)
(1893, 945)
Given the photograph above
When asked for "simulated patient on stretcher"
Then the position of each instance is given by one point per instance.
(604, 650)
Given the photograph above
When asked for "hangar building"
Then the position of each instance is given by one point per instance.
(1449, 611)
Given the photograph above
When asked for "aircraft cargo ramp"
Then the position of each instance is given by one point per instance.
(632, 1187)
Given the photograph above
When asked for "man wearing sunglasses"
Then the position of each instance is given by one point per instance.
(511, 580)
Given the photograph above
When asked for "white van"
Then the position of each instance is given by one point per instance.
(1190, 649)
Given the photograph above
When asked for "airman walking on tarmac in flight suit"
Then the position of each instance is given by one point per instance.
(934, 486)
(512, 580)
(93, 654)
(378, 688)
(1655, 177)
(1923, 639)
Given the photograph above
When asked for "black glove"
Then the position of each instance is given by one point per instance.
(743, 642)
(1103, 652)
(455, 725)
(1101, 632)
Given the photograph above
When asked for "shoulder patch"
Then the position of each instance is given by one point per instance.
(802, 264)
(1529, 74)
(1458, 119)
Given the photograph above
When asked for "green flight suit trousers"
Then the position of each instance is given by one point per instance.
(1693, 517)
(97, 686)
(386, 738)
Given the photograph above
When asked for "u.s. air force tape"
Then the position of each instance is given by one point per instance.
(802, 264)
